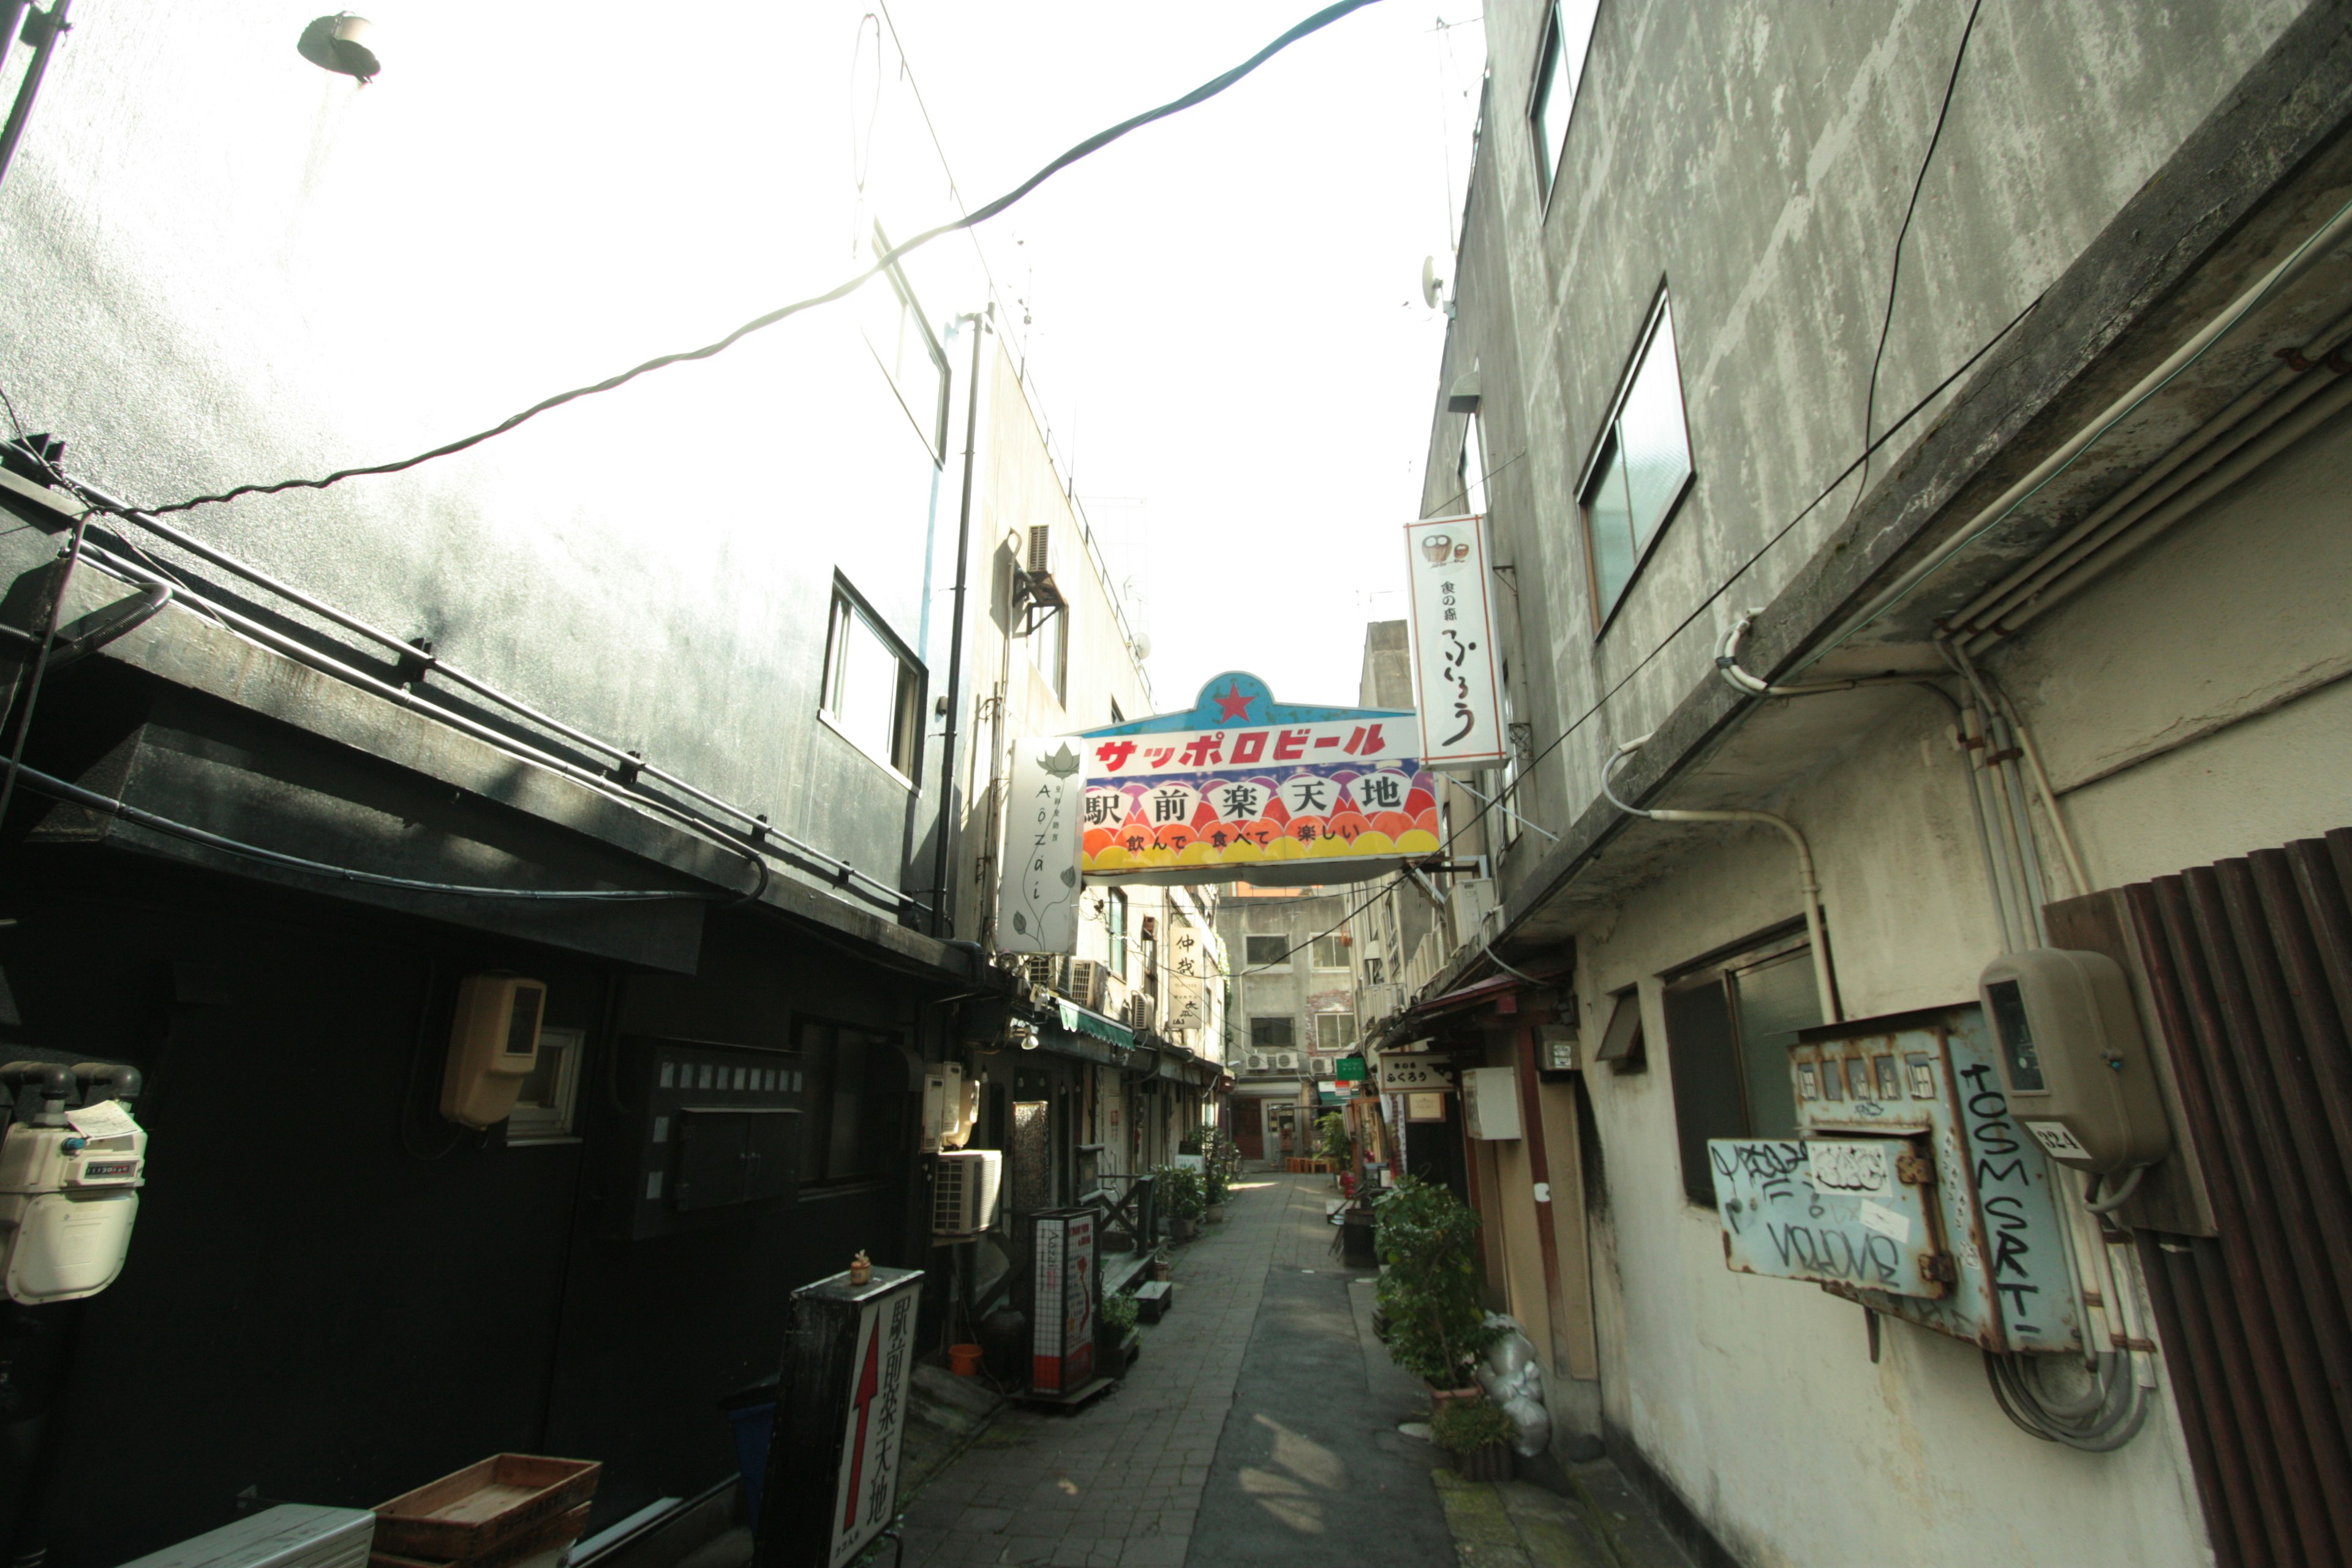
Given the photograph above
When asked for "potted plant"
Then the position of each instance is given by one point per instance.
(1122, 1342)
(1428, 1289)
(1477, 1435)
(1333, 1145)
(1217, 1169)
(1184, 1198)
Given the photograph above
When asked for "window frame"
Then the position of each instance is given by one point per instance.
(1549, 150)
(1335, 1049)
(1249, 942)
(906, 760)
(531, 1123)
(1609, 441)
(1290, 1028)
(910, 308)
(1329, 941)
(1114, 926)
(818, 1104)
(1721, 972)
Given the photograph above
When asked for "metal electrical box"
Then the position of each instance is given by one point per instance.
(708, 1130)
(1910, 1188)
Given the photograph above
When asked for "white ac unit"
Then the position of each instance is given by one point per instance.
(1042, 969)
(1474, 900)
(964, 1185)
(1142, 1011)
(1041, 549)
(951, 1107)
(1090, 983)
(1288, 1059)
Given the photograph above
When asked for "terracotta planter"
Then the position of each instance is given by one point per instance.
(1489, 1462)
(1440, 1397)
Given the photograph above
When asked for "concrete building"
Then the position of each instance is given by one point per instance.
(1292, 1012)
(1809, 347)
(654, 700)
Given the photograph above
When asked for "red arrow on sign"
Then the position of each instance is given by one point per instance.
(868, 1381)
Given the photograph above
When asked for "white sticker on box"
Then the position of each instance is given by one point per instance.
(2060, 1140)
(1858, 1169)
(107, 1119)
(1887, 1222)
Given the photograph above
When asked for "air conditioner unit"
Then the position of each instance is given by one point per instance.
(1288, 1059)
(1090, 983)
(1042, 969)
(964, 1185)
(1040, 559)
(1474, 900)
(950, 1106)
(1142, 1011)
(1038, 564)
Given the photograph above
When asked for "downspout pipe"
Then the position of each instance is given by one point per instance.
(942, 917)
(1808, 885)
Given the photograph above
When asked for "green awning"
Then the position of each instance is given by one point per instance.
(1077, 1020)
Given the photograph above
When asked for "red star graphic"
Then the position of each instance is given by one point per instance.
(1233, 705)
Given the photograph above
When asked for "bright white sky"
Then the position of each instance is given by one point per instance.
(1227, 335)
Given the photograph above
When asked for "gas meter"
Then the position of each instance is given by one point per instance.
(70, 1179)
(2073, 1059)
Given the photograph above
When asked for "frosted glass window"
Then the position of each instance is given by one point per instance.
(1560, 72)
(871, 690)
(1643, 467)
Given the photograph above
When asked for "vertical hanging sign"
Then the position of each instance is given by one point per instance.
(1037, 895)
(1454, 656)
(841, 1413)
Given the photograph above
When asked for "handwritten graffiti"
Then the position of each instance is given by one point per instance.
(1851, 1168)
(1864, 1256)
(2002, 1180)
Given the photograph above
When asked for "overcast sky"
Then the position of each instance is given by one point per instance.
(1227, 325)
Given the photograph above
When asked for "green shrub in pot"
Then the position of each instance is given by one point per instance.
(1467, 1426)
(1182, 1193)
(1429, 1288)
(1119, 1315)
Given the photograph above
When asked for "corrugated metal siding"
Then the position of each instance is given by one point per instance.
(2250, 964)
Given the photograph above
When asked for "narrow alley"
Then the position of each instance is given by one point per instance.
(1260, 1426)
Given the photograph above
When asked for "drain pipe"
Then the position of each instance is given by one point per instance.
(942, 918)
(1808, 885)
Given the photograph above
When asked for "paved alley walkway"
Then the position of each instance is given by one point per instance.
(1258, 1428)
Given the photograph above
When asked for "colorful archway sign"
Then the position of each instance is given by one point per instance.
(1240, 787)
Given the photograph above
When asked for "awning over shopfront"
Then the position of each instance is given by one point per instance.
(1078, 1020)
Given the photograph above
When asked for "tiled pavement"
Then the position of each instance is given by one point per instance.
(1119, 1484)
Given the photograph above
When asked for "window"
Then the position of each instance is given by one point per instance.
(1259, 952)
(1116, 918)
(1331, 952)
(1150, 952)
(1560, 72)
(873, 690)
(1049, 650)
(1272, 1034)
(1621, 1043)
(1470, 469)
(1641, 470)
(1334, 1032)
(1501, 781)
(543, 1111)
(1729, 1025)
(855, 1092)
(910, 354)
(1116, 716)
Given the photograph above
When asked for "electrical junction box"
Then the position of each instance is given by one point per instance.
(1910, 1188)
(1490, 1103)
(1556, 1049)
(493, 1046)
(951, 1107)
(2073, 1059)
(67, 1198)
(292, 1535)
(707, 1131)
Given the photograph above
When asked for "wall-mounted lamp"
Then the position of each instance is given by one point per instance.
(339, 43)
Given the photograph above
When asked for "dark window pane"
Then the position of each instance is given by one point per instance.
(1776, 1000)
(1608, 515)
(1705, 1059)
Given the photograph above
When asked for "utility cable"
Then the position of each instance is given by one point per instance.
(888, 260)
(1895, 272)
(41, 663)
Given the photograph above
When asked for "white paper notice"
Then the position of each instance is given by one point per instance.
(1887, 1222)
(107, 1119)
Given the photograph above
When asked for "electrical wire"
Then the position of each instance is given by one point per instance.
(1895, 271)
(58, 789)
(888, 260)
(41, 664)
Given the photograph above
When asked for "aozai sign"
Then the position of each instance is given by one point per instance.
(1037, 898)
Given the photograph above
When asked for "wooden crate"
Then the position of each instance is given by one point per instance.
(461, 1518)
(539, 1540)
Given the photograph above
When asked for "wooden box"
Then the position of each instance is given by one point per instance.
(464, 1517)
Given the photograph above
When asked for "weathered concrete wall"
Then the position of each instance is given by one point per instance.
(228, 266)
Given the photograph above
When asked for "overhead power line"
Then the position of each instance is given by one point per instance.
(1091, 145)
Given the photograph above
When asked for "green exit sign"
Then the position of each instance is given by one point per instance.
(1352, 1070)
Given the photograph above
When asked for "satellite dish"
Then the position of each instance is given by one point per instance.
(1142, 645)
(1431, 285)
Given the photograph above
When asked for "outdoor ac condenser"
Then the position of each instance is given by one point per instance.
(1089, 983)
(965, 1184)
(292, 1535)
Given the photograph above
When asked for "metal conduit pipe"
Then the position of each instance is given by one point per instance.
(1727, 664)
(1997, 870)
(304, 653)
(2121, 535)
(2305, 257)
(759, 827)
(1998, 701)
(1809, 886)
(2268, 401)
